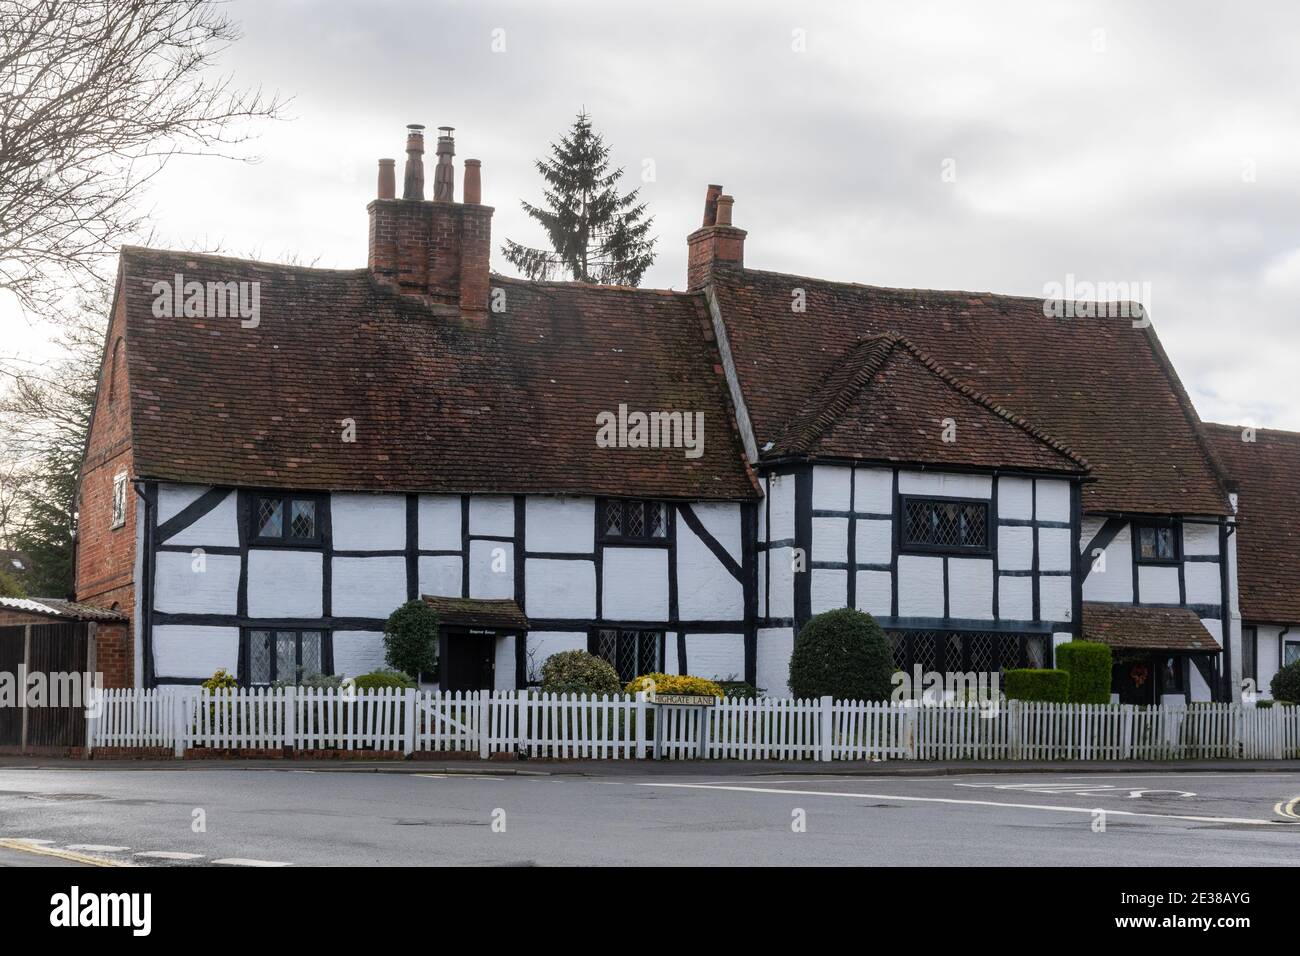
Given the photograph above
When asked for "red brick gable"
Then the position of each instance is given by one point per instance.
(441, 400)
(1097, 384)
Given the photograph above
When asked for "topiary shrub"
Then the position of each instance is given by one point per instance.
(384, 677)
(1039, 684)
(577, 672)
(675, 684)
(1285, 685)
(1089, 665)
(843, 654)
(411, 638)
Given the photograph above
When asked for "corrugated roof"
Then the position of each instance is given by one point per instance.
(56, 607)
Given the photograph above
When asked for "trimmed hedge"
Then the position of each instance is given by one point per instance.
(675, 684)
(578, 672)
(383, 677)
(1089, 665)
(1041, 684)
(411, 638)
(842, 654)
(1285, 685)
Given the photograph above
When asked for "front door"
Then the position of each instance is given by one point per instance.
(468, 662)
(1134, 679)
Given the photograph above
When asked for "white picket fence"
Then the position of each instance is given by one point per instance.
(622, 727)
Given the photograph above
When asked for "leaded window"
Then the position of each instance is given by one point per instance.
(119, 500)
(945, 524)
(1157, 542)
(967, 651)
(292, 519)
(633, 520)
(272, 654)
(631, 653)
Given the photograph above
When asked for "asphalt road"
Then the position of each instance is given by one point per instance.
(233, 817)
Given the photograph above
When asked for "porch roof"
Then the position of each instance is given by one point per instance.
(500, 614)
(1147, 628)
(59, 608)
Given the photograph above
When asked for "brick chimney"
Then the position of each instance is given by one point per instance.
(717, 245)
(437, 249)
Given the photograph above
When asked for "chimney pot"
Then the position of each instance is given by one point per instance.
(472, 190)
(387, 178)
(444, 182)
(413, 187)
(711, 205)
(724, 210)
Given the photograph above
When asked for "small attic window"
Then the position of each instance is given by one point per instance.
(119, 500)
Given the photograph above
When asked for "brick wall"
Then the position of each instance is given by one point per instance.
(436, 249)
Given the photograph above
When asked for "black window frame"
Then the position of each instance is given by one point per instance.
(1250, 654)
(942, 637)
(245, 655)
(1175, 537)
(1282, 648)
(603, 537)
(920, 547)
(659, 637)
(285, 540)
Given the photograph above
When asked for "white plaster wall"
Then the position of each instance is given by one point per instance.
(368, 522)
(542, 644)
(1200, 691)
(920, 586)
(1015, 498)
(830, 539)
(1054, 549)
(491, 568)
(875, 541)
(775, 644)
(781, 507)
(368, 587)
(492, 514)
(874, 491)
(1053, 500)
(970, 588)
(180, 589)
(874, 592)
(503, 671)
(560, 525)
(1113, 581)
(173, 498)
(183, 650)
(832, 485)
(722, 520)
(944, 485)
(716, 656)
(219, 528)
(439, 518)
(830, 589)
(1015, 598)
(560, 589)
(1201, 539)
(1267, 657)
(1055, 599)
(1088, 528)
(781, 597)
(440, 575)
(671, 664)
(1202, 582)
(635, 584)
(1157, 584)
(283, 583)
(706, 591)
(1015, 547)
(358, 652)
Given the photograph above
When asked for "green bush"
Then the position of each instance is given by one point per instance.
(315, 681)
(1089, 666)
(411, 638)
(843, 654)
(1039, 684)
(739, 690)
(383, 677)
(221, 680)
(1285, 684)
(577, 672)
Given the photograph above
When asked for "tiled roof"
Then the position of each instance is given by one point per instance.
(505, 403)
(888, 400)
(499, 613)
(1099, 385)
(56, 607)
(1266, 474)
(1134, 627)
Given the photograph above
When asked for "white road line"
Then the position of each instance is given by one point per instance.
(169, 855)
(33, 841)
(240, 861)
(977, 803)
(95, 848)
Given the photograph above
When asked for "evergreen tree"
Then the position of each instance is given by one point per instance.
(596, 235)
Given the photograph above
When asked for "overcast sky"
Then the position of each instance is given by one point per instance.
(1151, 143)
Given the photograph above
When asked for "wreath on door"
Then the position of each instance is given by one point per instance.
(1139, 674)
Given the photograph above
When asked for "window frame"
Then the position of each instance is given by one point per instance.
(286, 503)
(245, 651)
(1176, 539)
(117, 507)
(915, 547)
(1250, 652)
(602, 537)
(660, 637)
(1282, 648)
(942, 635)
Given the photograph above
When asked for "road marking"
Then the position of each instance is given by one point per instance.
(35, 846)
(456, 776)
(1289, 810)
(169, 855)
(240, 861)
(95, 848)
(33, 841)
(977, 803)
(1078, 790)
